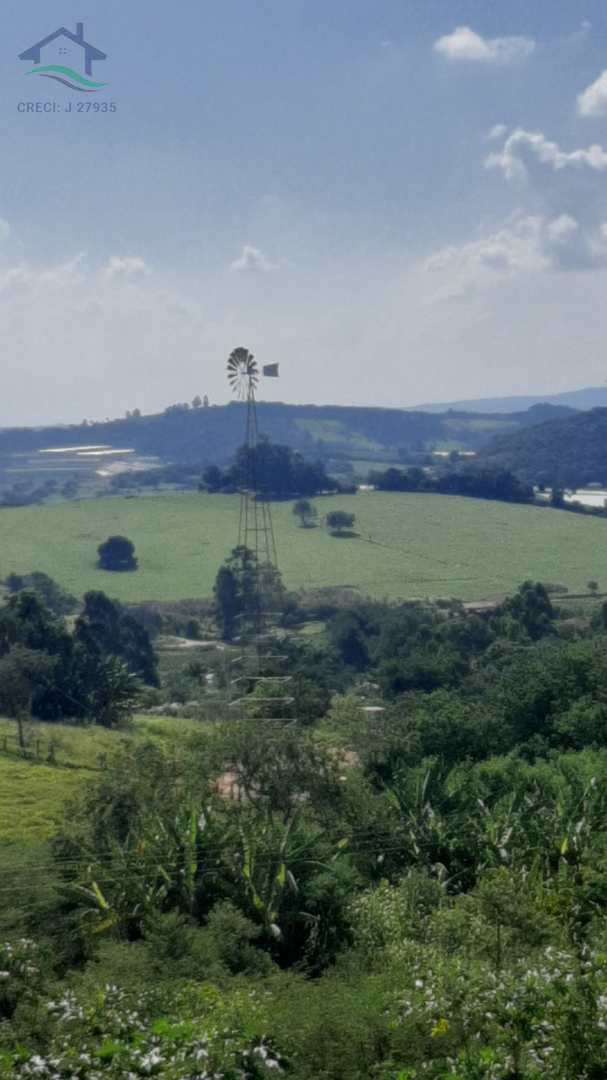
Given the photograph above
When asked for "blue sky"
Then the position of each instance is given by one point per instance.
(397, 201)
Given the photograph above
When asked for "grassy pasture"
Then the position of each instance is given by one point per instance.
(407, 546)
(33, 794)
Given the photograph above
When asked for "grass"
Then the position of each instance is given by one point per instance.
(408, 545)
(32, 798)
(33, 794)
(334, 431)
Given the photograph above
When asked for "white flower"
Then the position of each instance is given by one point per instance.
(151, 1060)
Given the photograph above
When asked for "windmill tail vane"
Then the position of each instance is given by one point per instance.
(270, 371)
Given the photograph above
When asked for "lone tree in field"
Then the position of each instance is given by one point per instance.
(338, 521)
(306, 513)
(117, 553)
(593, 587)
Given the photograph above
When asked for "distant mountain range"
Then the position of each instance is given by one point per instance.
(591, 397)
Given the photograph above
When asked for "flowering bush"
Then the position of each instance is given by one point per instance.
(543, 1019)
(20, 974)
(114, 1036)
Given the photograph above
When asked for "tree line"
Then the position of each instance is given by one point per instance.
(474, 482)
(273, 470)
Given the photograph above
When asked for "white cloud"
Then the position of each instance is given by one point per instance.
(252, 260)
(515, 246)
(522, 149)
(126, 266)
(497, 131)
(526, 243)
(25, 276)
(465, 44)
(559, 224)
(593, 100)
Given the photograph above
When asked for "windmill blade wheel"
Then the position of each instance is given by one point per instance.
(243, 372)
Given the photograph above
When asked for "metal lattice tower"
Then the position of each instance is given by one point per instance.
(256, 540)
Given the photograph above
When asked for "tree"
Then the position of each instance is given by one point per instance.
(212, 478)
(111, 691)
(197, 402)
(246, 588)
(346, 635)
(23, 672)
(593, 587)
(56, 599)
(531, 607)
(106, 629)
(306, 513)
(279, 470)
(227, 601)
(117, 553)
(338, 521)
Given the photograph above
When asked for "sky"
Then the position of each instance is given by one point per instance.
(397, 200)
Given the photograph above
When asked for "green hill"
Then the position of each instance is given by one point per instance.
(407, 545)
(567, 452)
(212, 435)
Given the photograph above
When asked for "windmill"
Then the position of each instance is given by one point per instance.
(259, 661)
(256, 542)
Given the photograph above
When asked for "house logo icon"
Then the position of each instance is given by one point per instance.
(67, 58)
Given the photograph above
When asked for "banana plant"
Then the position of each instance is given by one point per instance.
(158, 862)
(265, 873)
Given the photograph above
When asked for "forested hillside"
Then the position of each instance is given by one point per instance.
(212, 435)
(564, 452)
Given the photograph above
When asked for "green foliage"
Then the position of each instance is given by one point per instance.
(52, 595)
(107, 630)
(117, 553)
(23, 673)
(227, 601)
(414, 892)
(474, 482)
(279, 472)
(346, 634)
(567, 452)
(51, 674)
(21, 978)
(305, 511)
(245, 590)
(531, 609)
(339, 521)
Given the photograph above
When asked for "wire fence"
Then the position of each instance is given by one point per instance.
(47, 750)
(30, 746)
